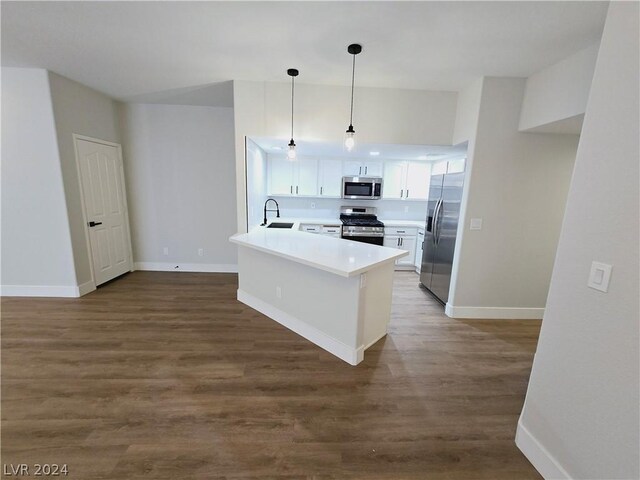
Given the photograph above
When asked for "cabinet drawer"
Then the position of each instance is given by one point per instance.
(332, 229)
(311, 228)
(409, 231)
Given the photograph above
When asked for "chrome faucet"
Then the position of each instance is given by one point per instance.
(277, 210)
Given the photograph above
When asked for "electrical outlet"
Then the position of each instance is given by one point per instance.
(165, 250)
(200, 252)
(279, 292)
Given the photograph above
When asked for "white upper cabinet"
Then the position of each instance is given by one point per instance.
(418, 179)
(456, 166)
(330, 178)
(307, 177)
(287, 177)
(280, 176)
(363, 168)
(393, 182)
(406, 180)
(402, 180)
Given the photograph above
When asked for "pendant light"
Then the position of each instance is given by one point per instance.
(349, 140)
(291, 153)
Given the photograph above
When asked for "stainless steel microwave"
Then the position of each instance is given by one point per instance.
(362, 188)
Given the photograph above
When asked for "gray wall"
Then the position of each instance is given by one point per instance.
(36, 243)
(83, 111)
(517, 183)
(582, 401)
(180, 172)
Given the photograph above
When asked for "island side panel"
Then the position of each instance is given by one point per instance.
(375, 304)
(320, 306)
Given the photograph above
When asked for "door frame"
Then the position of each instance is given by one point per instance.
(118, 147)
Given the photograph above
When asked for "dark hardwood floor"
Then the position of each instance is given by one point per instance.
(167, 376)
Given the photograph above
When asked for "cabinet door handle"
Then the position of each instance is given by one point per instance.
(360, 171)
(407, 193)
(291, 189)
(320, 190)
(365, 170)
(401, 193)
(296, 189)
(401, 241)
(400, 231)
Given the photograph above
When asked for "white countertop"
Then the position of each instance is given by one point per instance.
(341, 257)
(403, 223)
(336, 221)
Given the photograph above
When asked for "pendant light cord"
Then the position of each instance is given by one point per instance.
(292, 89)
(353, 74)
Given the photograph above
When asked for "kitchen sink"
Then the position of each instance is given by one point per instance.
(280, 225)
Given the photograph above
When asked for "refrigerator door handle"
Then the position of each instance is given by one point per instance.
(434, 222)
(440, 210)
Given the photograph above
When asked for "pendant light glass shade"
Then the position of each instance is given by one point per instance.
(350, 135)
(349, 138)
(291, 152)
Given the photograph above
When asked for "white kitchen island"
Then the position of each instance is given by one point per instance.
(335, 293)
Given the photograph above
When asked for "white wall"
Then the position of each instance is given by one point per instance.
(180, 169)
(81, 110)
(580, 418)
(467, 111)
(380, 115)
(37, 257)
(322, 114)
(256, 182)
(517, 183)
(559, 92)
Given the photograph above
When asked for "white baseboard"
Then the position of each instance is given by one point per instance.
(539, 457)
(502, 313)
(350, 355)
(187, 267)
(70, 291)
(86, 287)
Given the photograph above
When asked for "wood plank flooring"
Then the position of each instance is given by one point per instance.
(166, 376)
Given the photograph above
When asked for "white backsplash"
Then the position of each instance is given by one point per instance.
(301, 207)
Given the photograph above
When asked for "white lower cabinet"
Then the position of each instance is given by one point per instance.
(310, 228)
(403, 239)
(327, 230)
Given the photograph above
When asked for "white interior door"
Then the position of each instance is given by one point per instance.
(101, 178)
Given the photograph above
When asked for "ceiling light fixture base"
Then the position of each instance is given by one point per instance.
(354, 48)
(293, 72)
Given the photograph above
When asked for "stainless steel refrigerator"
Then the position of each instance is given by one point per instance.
(443, 212)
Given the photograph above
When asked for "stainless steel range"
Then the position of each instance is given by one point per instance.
(360, 224)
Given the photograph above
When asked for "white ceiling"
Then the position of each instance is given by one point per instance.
(385, 151)
(130, 50)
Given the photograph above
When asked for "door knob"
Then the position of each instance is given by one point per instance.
(93, 224)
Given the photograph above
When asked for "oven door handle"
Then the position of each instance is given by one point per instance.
(364, 234)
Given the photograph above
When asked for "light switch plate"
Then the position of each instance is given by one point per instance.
(599, 276)
(475, 224)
